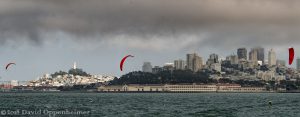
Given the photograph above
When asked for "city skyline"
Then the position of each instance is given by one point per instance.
(47, 36)
(213, 61)
(128, 66)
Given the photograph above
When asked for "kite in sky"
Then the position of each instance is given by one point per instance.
(123, 60)
(9, 64)
(291, 55)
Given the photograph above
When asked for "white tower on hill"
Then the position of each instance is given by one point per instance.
(74, 65)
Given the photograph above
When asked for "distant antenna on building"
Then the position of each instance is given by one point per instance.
(74, 65)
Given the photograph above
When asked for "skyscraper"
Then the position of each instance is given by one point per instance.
(261, 54)
(253, 55)
(213, 58)
(233, 59)
(194, 62)
(198, 62)
(298, 63)
(147, 67)
(179, 64)
(257, 54)
(189, 60)
(272, 57)
(242, 53)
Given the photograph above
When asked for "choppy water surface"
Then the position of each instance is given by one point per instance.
(153, 104)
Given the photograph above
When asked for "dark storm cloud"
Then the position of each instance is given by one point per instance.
(244, 22)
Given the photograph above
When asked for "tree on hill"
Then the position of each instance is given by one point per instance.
(58, 73)
(163, 77)
(74, 72)
(79, 72)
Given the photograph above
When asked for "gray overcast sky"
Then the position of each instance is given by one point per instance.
(47, 36)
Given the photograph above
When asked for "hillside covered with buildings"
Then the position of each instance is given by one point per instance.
(243, 68)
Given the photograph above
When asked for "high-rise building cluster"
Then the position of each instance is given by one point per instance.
(243, 59)
(242, 53)
(257, 55)
(179, 64)
(194, 62)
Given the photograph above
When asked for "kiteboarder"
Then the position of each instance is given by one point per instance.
(270, 103)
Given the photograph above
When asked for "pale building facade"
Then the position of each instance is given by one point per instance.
(272, 58)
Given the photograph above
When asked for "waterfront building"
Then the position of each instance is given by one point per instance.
(179, 64)
(133, 88)
(112, 88)
(146, 87)
(180, 88)
(242, 53)
(238, 88)
(191, 88)
(272, 58)
(147, 67)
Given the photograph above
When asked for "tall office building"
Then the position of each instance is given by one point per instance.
(261, 55)
(253, 55)
(242, 53)
(194, 62)
(257, 54)
(179, 64)
(189, 61)
(272, 58)
(233, 59)
(147, 67)
(298, 64)
(213, 58)
(198, 63)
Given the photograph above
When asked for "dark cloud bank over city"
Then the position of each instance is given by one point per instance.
(153, 23)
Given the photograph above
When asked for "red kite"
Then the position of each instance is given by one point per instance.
(9, 65)
(291, 55)
(123, 60)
